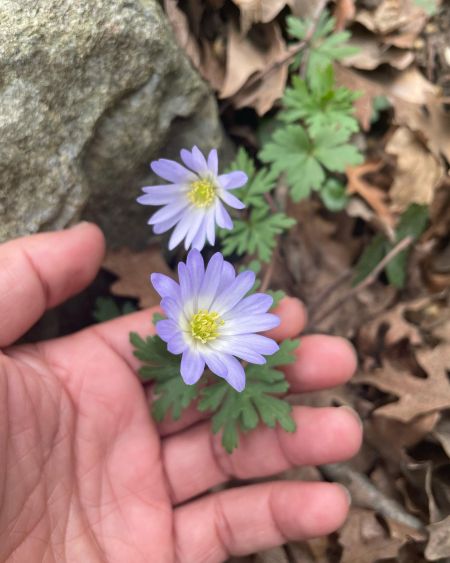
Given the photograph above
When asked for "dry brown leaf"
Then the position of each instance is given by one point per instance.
(432, 122)
(344, 12)
(392, 326)
(375, 197)
(371, 53)
(400, 16)
(439, 543)
(364, 539)
(183, 35)
(133, 270)
(259, 11)
(245, 59)
(417, 174)
(212, 65)
(417, 396)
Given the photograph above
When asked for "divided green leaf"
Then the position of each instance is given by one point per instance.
(321, 105)
(257, 235)
(304, 158)
(107, 308)
(163, 368)
(259, 183)
(324, 47)
(259, 402)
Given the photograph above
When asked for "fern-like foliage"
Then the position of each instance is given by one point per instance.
(322, 105)
(260, 402)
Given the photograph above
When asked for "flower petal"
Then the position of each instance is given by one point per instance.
(228, 276)
(211, 281)
(200, 237)
(172, 308)
(196, 268)
(192, 366)
(233, 180)
(228, 298)
(213, 361)
(243, 324)
(252, 305)
(160, 195)
(213, 162)
(210, 222)
(222, 216)
(236, 373)
(245, 345)
(231, 200)
(181, 230)
(166, 329)
(172, 171)
(164, 226)
(197, 217)
(177, 344)
(165, 286)
(194, 160)
(168, 211)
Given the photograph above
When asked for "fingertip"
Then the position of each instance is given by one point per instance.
(293, 318)
(319, 509)
(321, 361)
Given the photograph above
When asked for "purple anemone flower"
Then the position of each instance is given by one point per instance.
(210, 321)
(193, 202)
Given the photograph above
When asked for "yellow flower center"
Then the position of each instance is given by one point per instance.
(202, 192)
(205, 325)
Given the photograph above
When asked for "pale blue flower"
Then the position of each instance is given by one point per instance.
(193, 201)
(210, 321)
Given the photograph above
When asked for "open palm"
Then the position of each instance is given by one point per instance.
(86, 476)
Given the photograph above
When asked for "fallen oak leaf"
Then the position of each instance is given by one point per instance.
(418, 171)
(247, 81)
(375, 197)
(259, 11)
(417, 396)
(133, 270)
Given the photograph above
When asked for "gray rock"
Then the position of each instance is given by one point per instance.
(90, 92)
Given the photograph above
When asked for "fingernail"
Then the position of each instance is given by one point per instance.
(354, 414)
(347, 493)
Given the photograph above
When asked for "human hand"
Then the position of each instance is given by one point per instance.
(87, 476)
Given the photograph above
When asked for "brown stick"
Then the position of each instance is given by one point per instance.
(366, 495)
(369, 280)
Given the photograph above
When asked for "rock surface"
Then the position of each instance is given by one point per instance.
(90, 92)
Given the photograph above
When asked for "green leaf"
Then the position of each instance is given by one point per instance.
(257, 235)
(163, 368)
(259, 183)
(304, 158)
(334, 195)
(277, 296)
(107, 308)
(412, 224)
(370, 258)
(235, 412)
(430, 7)
(324, 47)
(320, 106)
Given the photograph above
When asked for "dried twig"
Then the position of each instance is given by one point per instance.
(369, 280)
(366, 495)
